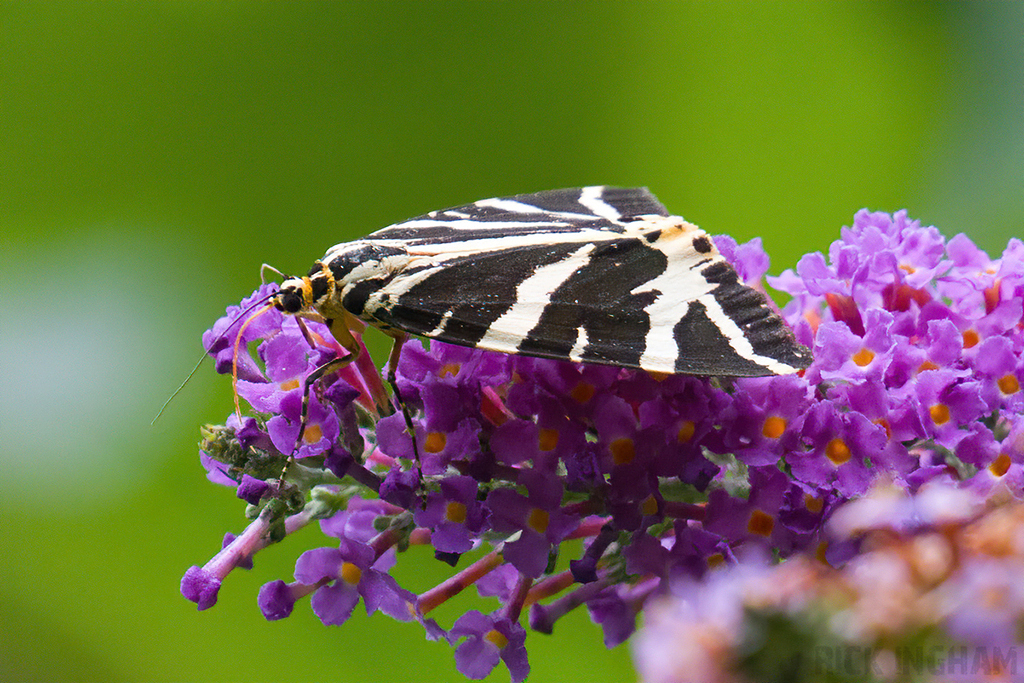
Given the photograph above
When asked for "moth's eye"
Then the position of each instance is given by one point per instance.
(289, 301)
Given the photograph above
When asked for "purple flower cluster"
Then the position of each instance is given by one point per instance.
(917, 376)
(917, 355)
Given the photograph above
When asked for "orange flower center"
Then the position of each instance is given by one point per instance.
(547, 439)
(538, 520)
(495, 638)
(583, 392)
(774, 426)
(1001, 465)
(760, 523)
(312, 433)
(1008, 384)
(455, 511)
(863, 357)
(623, 451)
(649, 506)
(435, 442)
(939, 413)
(837, 451)
(686, 431)
(992, 297)
(447, 369)
(820, 552)
(351, 573)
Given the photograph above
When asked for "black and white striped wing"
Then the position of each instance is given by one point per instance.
(599, 275)
(550, 215)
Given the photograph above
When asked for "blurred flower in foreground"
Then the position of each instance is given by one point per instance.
(872, 476)
(934, 594)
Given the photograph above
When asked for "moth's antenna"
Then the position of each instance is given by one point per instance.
(234, 357)
(178, 390)
(263, 272)
(259, 302)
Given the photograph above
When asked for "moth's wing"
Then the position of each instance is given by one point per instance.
(459, 299)
(473, 263)
(705, 321)
(542, 213)
(532, 275)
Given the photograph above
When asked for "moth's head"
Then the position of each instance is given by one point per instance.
(295, 295)
(301, 294)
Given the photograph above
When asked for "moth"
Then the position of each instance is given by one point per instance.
(593, 275)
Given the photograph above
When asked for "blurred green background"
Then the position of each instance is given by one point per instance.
(153, 155)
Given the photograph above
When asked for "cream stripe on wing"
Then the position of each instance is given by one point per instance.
(737, 340)
(576, 353)
(680, 283)
(532, 296)
(591, 197)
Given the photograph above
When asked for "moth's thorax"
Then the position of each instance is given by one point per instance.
(360, 268)
(367, 258)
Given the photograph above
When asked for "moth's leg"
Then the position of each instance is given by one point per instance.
(372, 378)
(393, 357)
(396, 353)
(348, 342)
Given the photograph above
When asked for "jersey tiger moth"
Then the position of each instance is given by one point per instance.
(594, 275)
